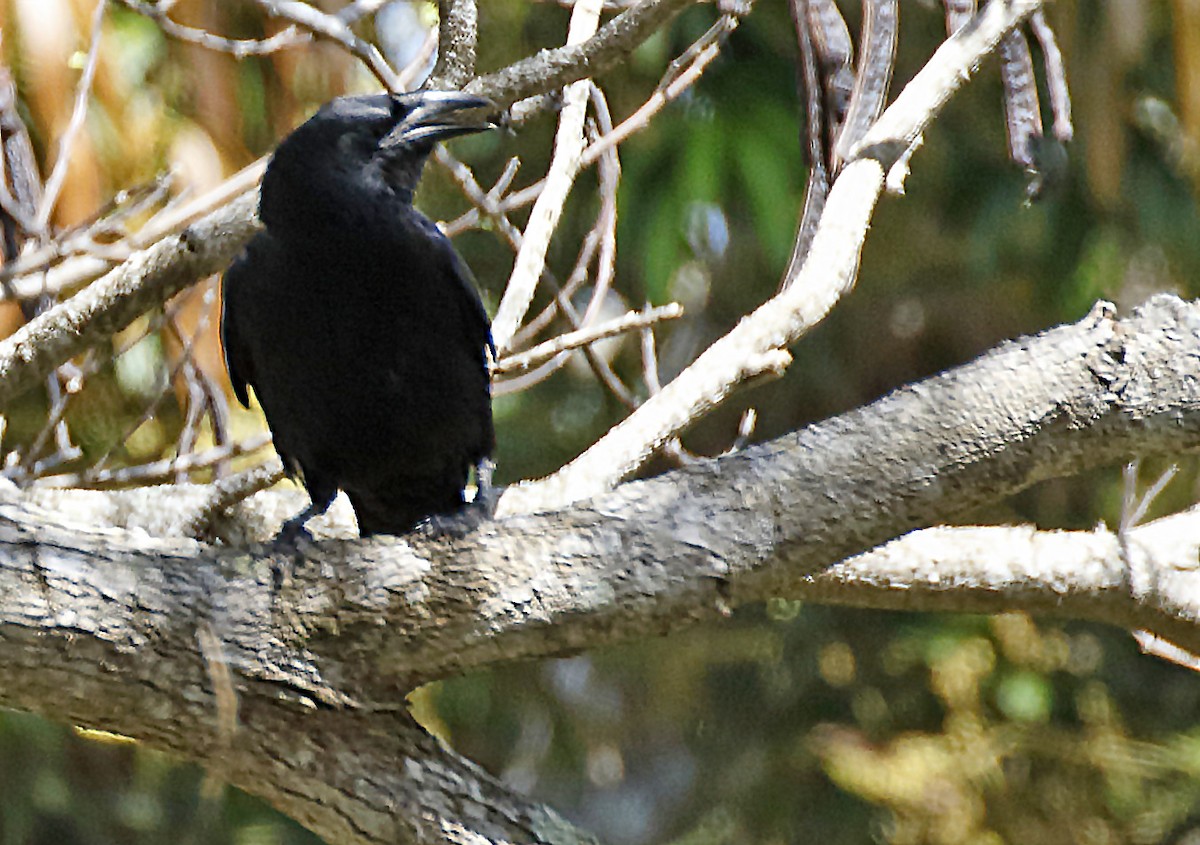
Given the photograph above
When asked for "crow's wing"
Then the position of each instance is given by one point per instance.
(475, 318)
(238, 359)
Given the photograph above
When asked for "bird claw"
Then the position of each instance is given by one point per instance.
(294, 535)
(457, 524)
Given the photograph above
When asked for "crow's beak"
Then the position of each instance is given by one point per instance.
(438, 115)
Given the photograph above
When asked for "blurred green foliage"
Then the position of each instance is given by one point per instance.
(787, 723)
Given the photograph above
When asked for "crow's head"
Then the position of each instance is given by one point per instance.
(354, 146)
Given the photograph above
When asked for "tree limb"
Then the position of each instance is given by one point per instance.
(117, 629)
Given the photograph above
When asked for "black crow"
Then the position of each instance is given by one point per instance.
(356, 322)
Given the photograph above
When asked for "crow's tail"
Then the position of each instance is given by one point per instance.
(399, 508)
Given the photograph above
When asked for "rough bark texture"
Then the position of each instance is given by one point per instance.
(162, 639)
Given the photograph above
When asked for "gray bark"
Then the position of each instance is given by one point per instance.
(286, 673)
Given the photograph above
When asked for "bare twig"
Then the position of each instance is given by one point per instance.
(543, 220)
(412, 74)
(633, 321)
(83, 238)
(665, 93)
(237, 47)
(1164, 649)
(682, 73)
(1134, 507)
(203, 395)
(550, 69)
(164, 470)
(170, 220)
(156, 401)
(83, 92)
(337, 30)
(672, 448)
(149, 277)
(487, 205)
(59, 388)
(756, 345)
(600, 238)
(606, 220)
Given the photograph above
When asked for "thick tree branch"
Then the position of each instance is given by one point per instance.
(1147, 579)
(105, 627)
(352, 775)
(748, 525)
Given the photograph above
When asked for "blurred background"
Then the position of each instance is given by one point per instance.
(787, 723)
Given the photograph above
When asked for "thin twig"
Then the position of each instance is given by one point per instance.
(664, 94)
(632, 321)
(486, 205)
(513, 236)
(599, 364)
(335, 29)
(1134, 508)
(551, 69)
(606, 220)
(82, 239)
(543, 219)
(470, 219)
(66, 143)
(170, 220)
(757, 344)
(239, 48)
(65, 451)
(601, 238)
(164, 470)
(412, 74)
(672, 448)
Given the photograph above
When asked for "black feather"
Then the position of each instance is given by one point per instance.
(354, 320)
